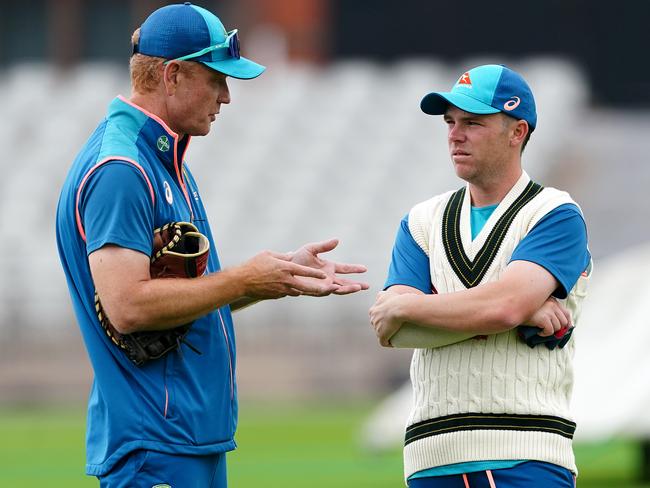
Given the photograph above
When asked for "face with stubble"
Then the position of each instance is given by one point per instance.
(479, 145)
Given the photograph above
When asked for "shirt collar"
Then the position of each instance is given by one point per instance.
(168, 146)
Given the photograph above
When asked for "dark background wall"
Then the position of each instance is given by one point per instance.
(607, 39)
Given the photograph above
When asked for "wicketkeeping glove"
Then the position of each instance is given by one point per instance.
(179, 251)
(530, 335)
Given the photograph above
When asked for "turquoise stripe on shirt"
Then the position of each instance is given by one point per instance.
(479, 216)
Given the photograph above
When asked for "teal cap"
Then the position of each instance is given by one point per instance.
(188, 32)
(487, 89)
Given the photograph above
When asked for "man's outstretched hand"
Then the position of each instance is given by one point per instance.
(308, 255)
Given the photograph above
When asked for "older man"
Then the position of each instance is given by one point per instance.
(491, 399)
(165, 419)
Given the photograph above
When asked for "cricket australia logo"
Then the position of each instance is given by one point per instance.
(465, 80)
(168, 193)
(163, 143)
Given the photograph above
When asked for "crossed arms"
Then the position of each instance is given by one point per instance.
(522, 295)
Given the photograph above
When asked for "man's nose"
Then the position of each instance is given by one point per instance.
(224, 95)
(456, 133)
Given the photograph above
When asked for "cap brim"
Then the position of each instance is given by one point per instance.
(436, 104)
(241, 68)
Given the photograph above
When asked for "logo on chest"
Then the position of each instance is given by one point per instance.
(163, 144)
(168, 193)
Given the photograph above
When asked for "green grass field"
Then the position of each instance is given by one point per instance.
(279, 447)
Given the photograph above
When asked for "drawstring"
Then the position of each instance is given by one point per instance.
(490, 479)
(465, 480)
(180, 340)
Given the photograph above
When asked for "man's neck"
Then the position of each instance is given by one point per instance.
(492, 192)
(151, 103)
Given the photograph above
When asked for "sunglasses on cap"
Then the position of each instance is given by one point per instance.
(229, 48)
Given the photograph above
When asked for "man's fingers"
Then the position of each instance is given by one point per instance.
(284, 256)
(557, 324)
(346, 268)
(306, 271)
(323, 246)
(347, 289)
(567, 314)
(345, 282)
(562, 318)
(314, 288)
(550, 326)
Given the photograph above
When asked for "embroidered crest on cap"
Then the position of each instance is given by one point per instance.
(465, 80)
(163, 143)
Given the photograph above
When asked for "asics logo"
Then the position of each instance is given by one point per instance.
(512, 104)
(168, 193)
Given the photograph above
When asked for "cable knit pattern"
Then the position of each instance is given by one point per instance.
(499, 374)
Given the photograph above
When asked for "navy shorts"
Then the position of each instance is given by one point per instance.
(147, 469)
(530, 474)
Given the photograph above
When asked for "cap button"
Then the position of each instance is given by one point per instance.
(188, 3)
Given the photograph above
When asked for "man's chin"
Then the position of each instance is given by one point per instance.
(203, 131)
(464, 172)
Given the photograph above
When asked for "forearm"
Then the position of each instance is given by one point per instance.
(486, 309)
(158, 304)
(133, 301)
(243, 302)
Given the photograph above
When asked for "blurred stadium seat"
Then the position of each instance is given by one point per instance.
(302, 154)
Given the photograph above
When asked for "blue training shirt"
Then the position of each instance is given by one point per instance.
(409, 264)
(127, 180)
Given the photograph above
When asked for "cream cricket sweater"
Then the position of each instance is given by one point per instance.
(493, 398)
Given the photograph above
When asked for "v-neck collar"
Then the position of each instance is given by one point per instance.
(473, 246)
(469, 259)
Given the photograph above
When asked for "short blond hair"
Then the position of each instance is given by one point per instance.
(145, 70)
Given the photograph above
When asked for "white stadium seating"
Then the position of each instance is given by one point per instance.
(307, 153)
(301, 154)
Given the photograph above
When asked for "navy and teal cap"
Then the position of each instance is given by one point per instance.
(185, 31)
(487, 89)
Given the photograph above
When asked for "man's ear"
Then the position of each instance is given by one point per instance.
(171, 72)
(519, 132)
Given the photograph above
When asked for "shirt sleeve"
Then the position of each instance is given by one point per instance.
(409, 263)
(558, 243)
(116, 208)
